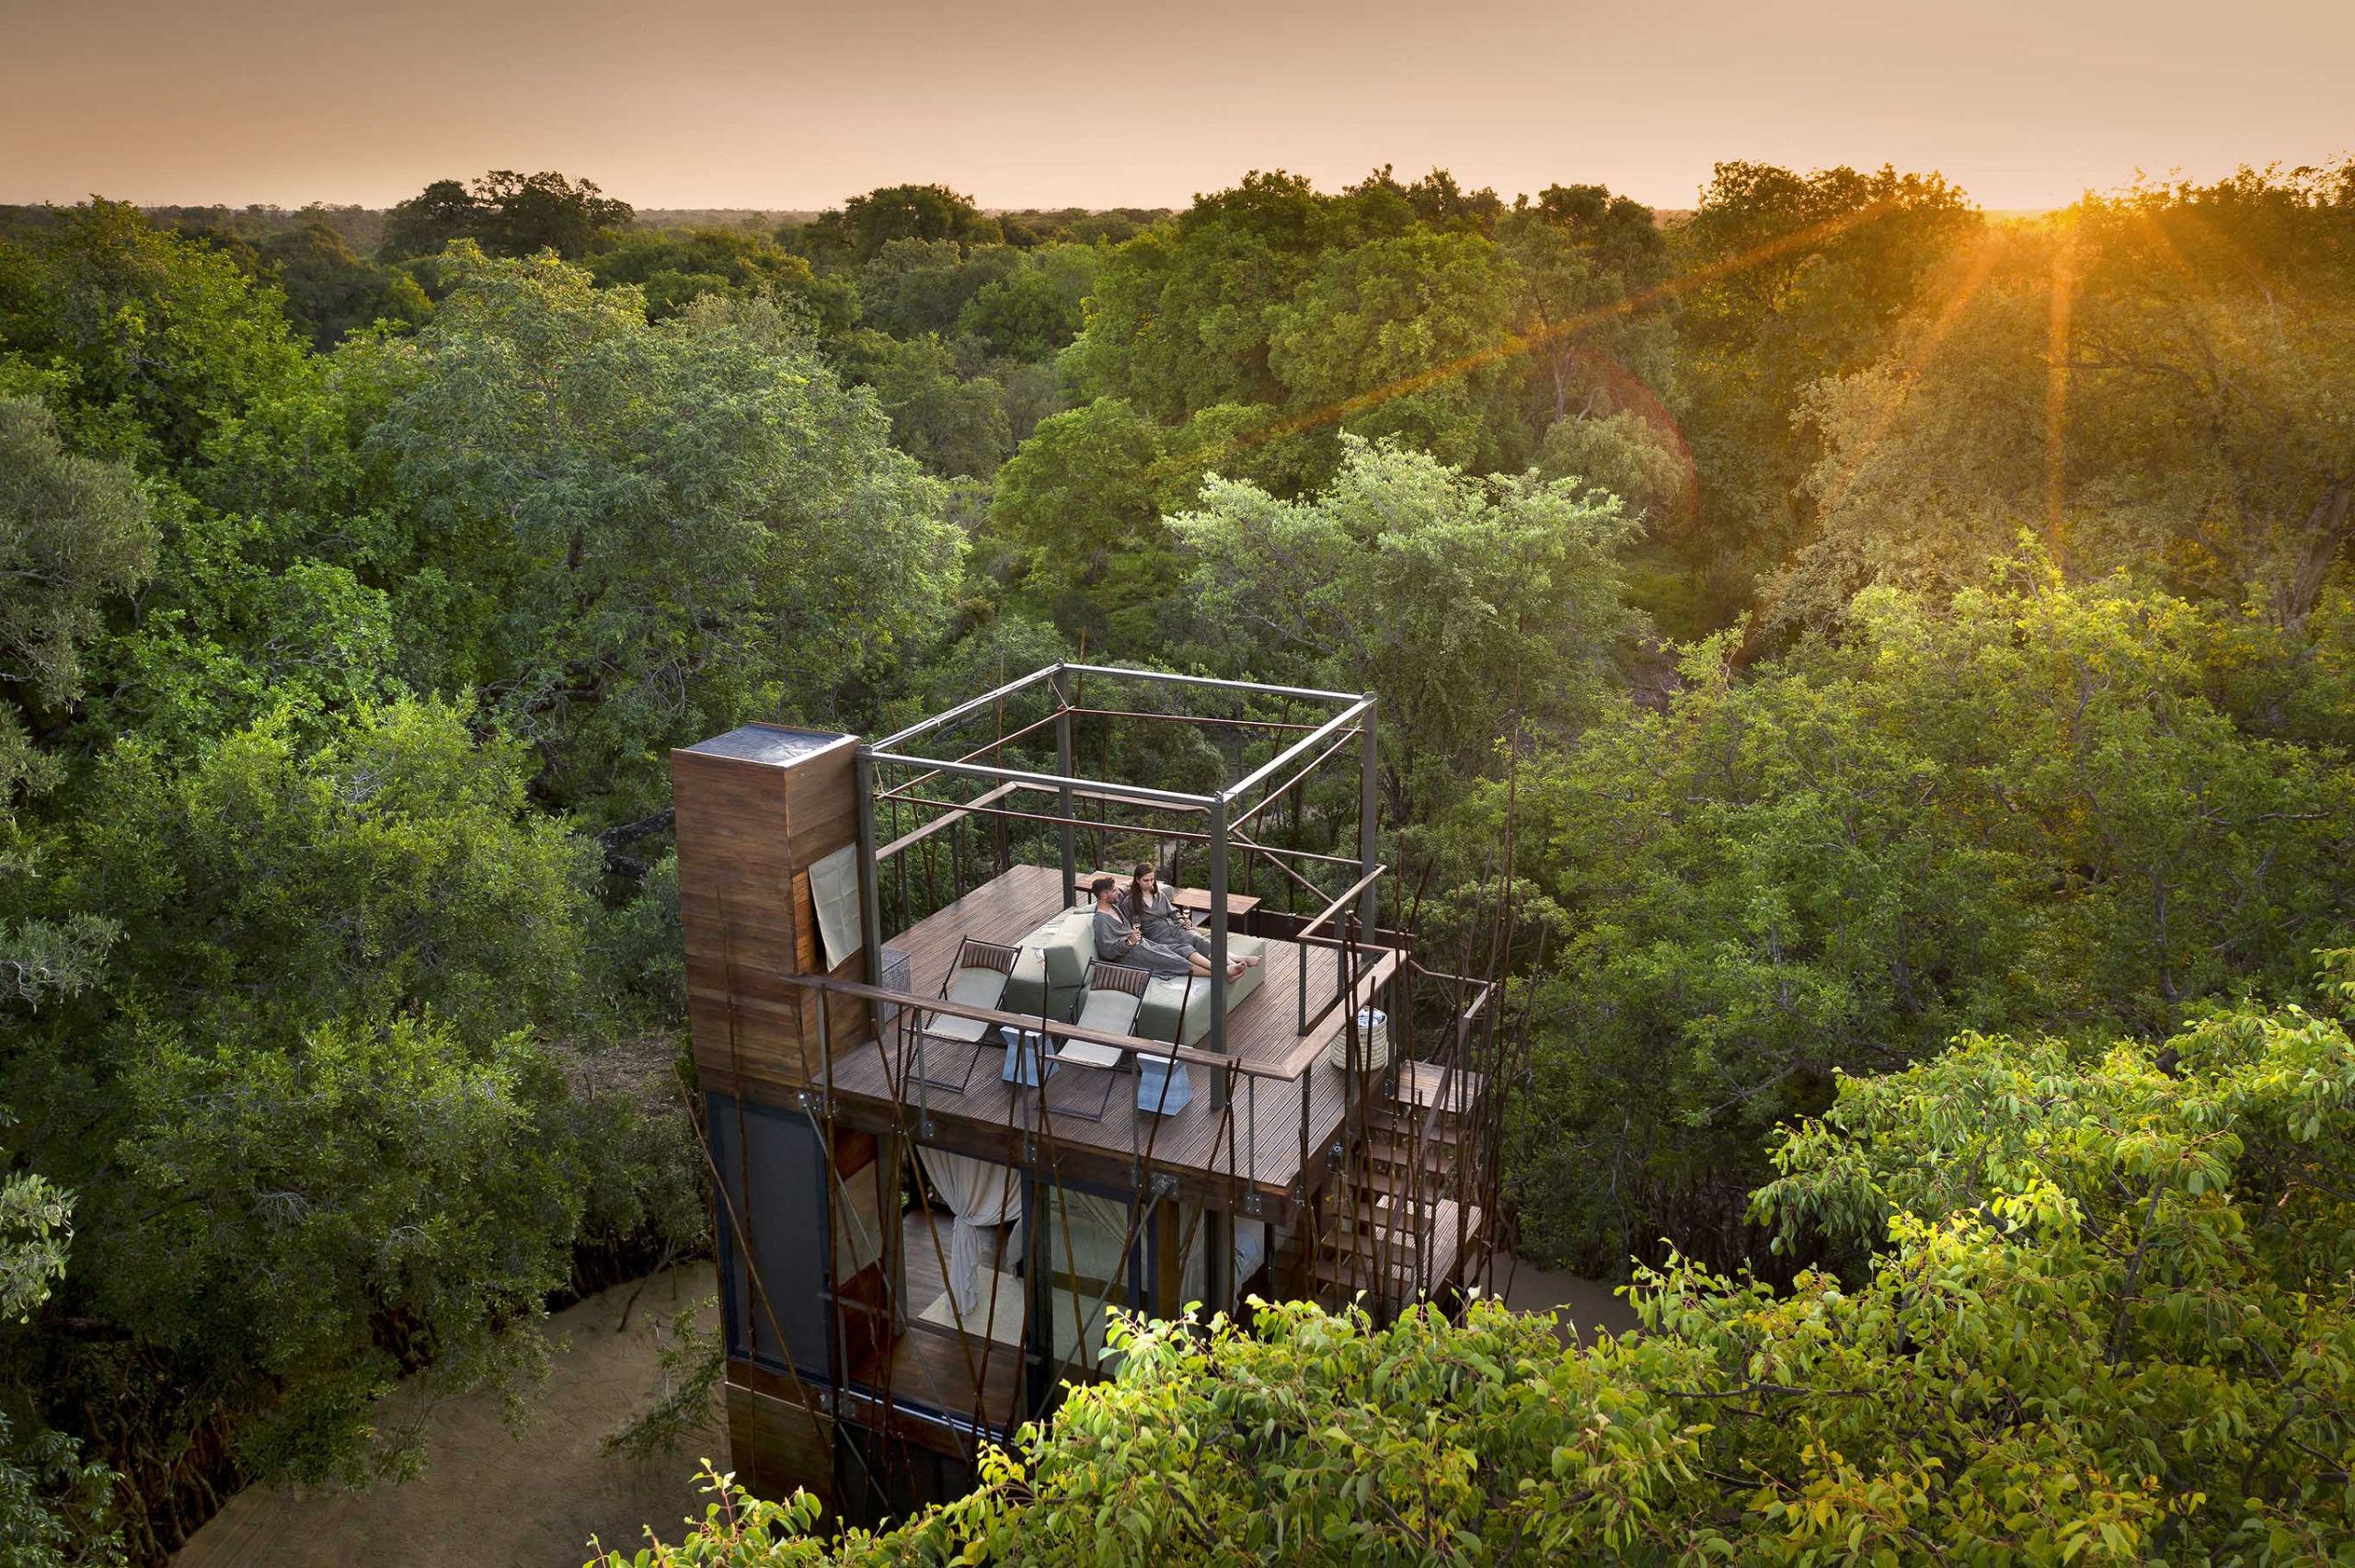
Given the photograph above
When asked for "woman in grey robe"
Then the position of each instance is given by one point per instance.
(1149, 909)
(1147, 904)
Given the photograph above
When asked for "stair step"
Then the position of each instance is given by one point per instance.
(1422, 1083)
(1350, 1264)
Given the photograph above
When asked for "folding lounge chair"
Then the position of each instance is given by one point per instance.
(1109, 1003)
(977, 979)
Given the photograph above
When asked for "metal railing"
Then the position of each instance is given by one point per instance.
(1344, 949)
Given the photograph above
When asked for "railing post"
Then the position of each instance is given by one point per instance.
(870, 897)
(1218, 940)
(1063, 797)
(1369, 813)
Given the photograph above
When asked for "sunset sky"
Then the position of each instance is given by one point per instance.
(740, 103)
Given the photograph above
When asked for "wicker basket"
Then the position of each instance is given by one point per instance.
(1373, 1042)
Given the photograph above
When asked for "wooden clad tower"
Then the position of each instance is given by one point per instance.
(800, 1202)
(756, 808)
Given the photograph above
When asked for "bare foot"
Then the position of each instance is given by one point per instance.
(1235, 970)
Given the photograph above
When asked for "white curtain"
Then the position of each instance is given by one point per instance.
(983, 1196)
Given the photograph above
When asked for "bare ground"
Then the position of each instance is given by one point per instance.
(488, 1496)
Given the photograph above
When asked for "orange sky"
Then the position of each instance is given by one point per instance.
(1041, 102)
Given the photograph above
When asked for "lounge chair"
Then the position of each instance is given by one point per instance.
(977, 979)
(1109, 1003)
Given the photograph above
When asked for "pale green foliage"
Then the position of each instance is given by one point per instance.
(73, 533)
(1476, 607)
(36, 1228)
(55, 1510)
(664, 530)
(1622, 454)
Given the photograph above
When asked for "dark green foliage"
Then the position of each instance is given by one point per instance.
(911, 212)
(330, 292)
(507, 214)
(671, 268)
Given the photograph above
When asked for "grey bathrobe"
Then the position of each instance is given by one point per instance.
(1114, 945)
(1158, 919)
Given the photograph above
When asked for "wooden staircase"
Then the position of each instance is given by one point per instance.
(1398, 1224)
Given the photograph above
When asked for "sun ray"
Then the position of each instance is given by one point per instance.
(1990, 246)
(2056, 391)
(1516, 344)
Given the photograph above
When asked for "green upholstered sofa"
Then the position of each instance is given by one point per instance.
(1053, 972)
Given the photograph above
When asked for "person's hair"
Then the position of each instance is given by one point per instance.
(1102, 885)
(1136, 890)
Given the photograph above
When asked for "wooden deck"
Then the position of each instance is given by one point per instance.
(1224, 1156)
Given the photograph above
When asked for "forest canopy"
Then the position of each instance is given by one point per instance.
(1897, 660)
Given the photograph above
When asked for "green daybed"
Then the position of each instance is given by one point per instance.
(1053, 972)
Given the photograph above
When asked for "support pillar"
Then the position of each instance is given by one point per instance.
(1063, 832)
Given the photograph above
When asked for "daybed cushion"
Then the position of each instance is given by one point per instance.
(1157, 1019)
(1053, 964)
(1114, 1011)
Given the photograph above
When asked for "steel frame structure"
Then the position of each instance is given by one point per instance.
(1355, 718)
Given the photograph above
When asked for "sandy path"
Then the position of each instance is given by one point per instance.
(488, 1497)
(1581, 1306)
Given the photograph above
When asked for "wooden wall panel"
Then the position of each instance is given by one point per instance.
(751, 817)
(775, 1445)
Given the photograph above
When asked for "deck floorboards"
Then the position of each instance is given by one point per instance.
(1260, 1144)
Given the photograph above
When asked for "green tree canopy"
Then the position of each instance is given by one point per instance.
(1476, 607)
(330, 292)
(150, 341)
(2040, 805)
(673, 268)
(506, 214)
(708, 529)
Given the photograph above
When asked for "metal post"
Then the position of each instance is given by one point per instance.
(1063, 795)
(870, 897)
(1218, 1263)
(1369, 818)
(1036, 1217)
(1218, 923)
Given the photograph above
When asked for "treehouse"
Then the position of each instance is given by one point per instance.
(948, 1136)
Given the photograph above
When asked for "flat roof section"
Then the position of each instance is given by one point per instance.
(772, 743)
